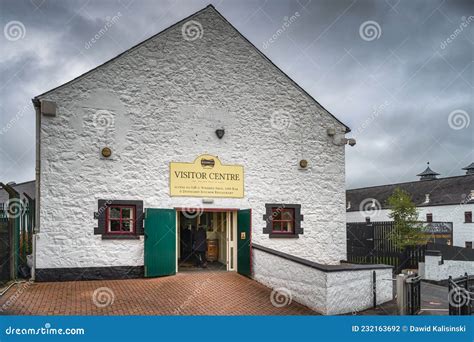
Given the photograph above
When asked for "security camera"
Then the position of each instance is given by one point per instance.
(351, 141)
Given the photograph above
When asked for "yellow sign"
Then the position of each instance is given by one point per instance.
(206, 177)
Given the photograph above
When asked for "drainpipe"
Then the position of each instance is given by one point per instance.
(36, 230)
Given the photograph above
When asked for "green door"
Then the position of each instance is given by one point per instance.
(244, 218)
(160, 242)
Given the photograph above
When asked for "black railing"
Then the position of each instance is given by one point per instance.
(461, 295)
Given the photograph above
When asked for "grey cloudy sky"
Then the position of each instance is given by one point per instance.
(384, 68)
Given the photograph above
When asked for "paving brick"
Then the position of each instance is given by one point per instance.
(203, 293)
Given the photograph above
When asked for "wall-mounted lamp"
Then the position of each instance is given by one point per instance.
(106, 152)
(220, 132)
(303, 163)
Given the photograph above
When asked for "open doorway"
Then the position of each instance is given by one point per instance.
(206, 240)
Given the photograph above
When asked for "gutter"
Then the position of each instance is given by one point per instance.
(36, 229)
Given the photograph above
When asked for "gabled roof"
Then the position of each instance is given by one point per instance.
(442, 191)
(36, 99)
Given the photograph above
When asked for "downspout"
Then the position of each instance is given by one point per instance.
(36, 230)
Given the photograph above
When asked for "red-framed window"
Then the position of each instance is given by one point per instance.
(468, 217)
(283, 220)
(120, 220)
(429, 217)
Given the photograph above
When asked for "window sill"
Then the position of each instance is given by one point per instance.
(120, 237)
(284, 236)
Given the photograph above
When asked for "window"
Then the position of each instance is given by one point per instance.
(429, 217)
(468, 244)
(367, 220)
(283, 220)
(468, 217)
(120, 219)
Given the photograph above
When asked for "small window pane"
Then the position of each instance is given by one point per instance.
(276, 215)
(127, 213)
(277, 226)
(126, 226)
(287, 227)
(114, 225)
(114, 212)
(287, 215)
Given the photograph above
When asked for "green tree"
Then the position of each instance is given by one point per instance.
(408, 231)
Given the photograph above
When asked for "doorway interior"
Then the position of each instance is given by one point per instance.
(220, 227)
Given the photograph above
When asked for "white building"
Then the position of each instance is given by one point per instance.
(449, 199)
(195, 126)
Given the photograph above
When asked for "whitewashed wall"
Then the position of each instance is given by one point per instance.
(329, 293)
(162, 102)
(433, 269)
(462, 231)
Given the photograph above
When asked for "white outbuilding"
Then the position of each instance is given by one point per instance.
(195, 129)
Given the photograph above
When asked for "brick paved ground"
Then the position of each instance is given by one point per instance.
(190, 293)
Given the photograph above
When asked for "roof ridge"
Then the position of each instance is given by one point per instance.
(415, 181)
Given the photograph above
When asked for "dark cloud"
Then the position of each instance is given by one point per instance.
(395, 92)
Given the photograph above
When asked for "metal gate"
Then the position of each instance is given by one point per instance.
(16, 234)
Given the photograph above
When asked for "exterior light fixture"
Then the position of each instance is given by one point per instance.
(106, 152)
(220, 132)
(303, 163)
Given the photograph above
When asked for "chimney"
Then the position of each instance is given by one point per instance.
(428, 174)
(427, 199)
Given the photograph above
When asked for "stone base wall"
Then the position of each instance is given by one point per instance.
(436, 269)
(327, 292)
